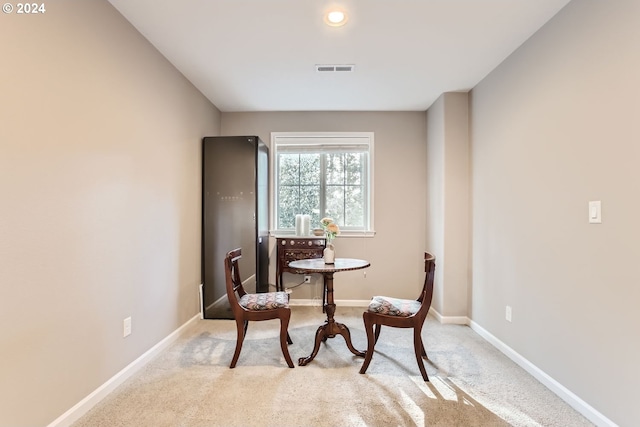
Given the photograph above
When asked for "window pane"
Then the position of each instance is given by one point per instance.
(335, 169)
(353, 167)
(354, 215)
(335, 203)
(288, 197)
(310, 169)
(289, 172)
(309, 202)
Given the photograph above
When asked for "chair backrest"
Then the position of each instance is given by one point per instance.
(235, 290)
(427, 289)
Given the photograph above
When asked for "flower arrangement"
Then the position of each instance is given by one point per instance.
(331, 229)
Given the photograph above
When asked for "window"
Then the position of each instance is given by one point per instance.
(323, 175)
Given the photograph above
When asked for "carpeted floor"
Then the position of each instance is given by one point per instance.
(191, 385)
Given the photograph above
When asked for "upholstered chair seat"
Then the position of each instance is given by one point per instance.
(264, 301)
(394, 306)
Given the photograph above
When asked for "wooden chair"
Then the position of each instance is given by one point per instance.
(401, 313)
(261, 306)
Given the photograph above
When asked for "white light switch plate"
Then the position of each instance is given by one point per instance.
(126, 324)
(595, 212)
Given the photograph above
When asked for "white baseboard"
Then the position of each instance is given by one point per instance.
(454, 320)
(565, 394)
(82, 407)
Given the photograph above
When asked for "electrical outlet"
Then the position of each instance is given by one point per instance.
(507, 313)
(307, 279)
(126, 323)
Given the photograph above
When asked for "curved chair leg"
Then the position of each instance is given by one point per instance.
(284, 338)
(419, 348)
(289, 341)
(242, 330)
(371, 342)
(377, 333)
(424, 353)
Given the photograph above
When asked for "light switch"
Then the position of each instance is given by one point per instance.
(595, 212)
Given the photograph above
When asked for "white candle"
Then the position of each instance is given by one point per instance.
(298, 225)
(306, 225)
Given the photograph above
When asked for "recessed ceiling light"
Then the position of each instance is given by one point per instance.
(335, 18)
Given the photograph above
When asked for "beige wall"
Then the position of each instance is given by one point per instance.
(448, 232)
(99, 206)
(435, 194)
(553, 127)
(396, 252)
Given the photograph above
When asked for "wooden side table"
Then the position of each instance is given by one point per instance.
(331, 328)
(292, 248)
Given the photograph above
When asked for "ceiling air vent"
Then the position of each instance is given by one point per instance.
(327, 68)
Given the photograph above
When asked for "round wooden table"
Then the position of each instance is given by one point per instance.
(331, 328)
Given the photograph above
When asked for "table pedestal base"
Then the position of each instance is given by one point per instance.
(330, 329)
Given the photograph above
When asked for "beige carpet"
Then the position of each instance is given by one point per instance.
(472, 383)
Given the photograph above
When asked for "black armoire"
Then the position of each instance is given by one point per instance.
(235, 214)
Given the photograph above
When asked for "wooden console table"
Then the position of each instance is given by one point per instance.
(292, 248)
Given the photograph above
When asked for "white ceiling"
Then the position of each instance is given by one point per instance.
(260, 55)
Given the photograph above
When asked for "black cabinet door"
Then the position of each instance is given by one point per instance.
(231, 196)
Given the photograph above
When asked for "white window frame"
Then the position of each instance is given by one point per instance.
(326, 138)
